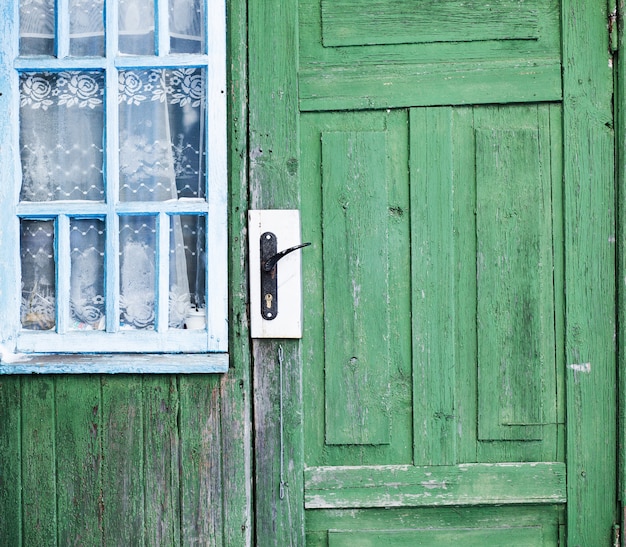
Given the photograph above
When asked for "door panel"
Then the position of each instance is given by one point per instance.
(459, 197)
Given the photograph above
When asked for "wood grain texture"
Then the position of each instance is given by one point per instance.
(11, 474)
(356, 295)
(380, 22)
(589, 195)
(414, 486)
(274, 183)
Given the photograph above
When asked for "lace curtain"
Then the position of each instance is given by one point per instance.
(161, 135)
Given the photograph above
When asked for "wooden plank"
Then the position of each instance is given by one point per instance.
(530, 536)
(433, 258)
(235, 410)
(589, 273)
(161, 460)
(356, 290)
(79, 459)
(408, 486)
(515, 311)
(38, 461)
(396, 518)
(10, 462)
(200, 461)
(394, 125)
(393, 85)
(359, 22)
(274, 167)
(122, 466)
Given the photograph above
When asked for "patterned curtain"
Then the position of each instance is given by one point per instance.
(62, 135)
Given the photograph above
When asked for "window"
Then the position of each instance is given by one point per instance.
(113, 220)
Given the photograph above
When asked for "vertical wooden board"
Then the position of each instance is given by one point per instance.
(433, 287)
(394, 125)
(79, 459)
(38, 460)
(515, 312)
(200, 461)
(589, 197)
(161, 460)
(464, 236)
(122, 466)
(274, 183)
(356, 291)
(10, 463)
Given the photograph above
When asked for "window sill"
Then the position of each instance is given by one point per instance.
(122, 363)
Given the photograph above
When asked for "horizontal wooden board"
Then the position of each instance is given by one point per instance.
(389, 85)
(530, 536)
(369, 22)
(409, 486)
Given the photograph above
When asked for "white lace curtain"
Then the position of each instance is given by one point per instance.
(161, 134)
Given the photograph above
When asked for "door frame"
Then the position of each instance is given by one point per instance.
(590, 263)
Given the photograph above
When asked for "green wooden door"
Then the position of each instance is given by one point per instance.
(456, 379)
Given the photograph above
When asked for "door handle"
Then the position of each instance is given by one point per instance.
(269, 273)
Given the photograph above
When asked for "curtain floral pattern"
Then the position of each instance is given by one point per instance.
(161, 157)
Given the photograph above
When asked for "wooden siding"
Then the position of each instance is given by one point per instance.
(140, 459)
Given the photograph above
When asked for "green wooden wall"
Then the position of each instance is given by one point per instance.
(126, 460)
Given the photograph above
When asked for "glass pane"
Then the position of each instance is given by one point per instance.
(87, 28)
(162, 134)
(136, 27)
(37, 27)
(61, 135)
(137, 272)
(186, 26)
(87, 242)
(38, 274)
(188, 271)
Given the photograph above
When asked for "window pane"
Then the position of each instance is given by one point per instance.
(87, 27)
(87, 242)
(61, 135)
(187, 271)
(162, 134)
(186, 26)
(136, 27)
(137, 271)
(38, 274)
(37, 27)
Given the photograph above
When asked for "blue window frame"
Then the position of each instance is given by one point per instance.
(113, 228)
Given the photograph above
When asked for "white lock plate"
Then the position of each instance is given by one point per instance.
(285, 225)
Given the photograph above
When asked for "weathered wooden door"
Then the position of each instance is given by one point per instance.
(453, 162)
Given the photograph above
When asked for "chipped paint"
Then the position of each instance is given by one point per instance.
(581, 367)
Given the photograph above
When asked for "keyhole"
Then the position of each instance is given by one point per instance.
(268, 301)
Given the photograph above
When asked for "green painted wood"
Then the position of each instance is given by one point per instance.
(433, 286)
(38, 461)
(362, 86)
(589, 221)
(122, 460)
(274, 165)
(546, 516)
(531, 536)
(10, 474)
(359, 23)
(515, 315)
(425, 74)
(413, 486)
(356, 258)
(317, 276)
(161, 460)
(200, 462)
(78, 437)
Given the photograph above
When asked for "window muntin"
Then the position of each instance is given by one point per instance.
(122, 202)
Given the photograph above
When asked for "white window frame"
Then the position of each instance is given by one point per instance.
(163, 350)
